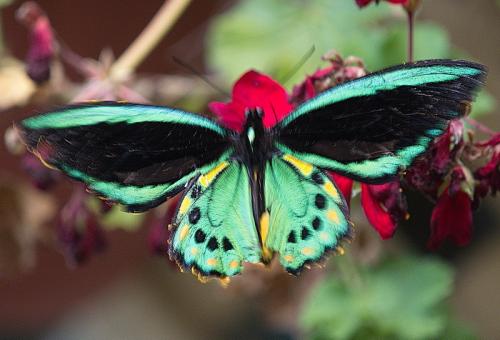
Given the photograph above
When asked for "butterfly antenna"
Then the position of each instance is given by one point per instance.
(201, 76)
(299, 64)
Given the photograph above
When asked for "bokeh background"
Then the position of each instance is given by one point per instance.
(401, 290)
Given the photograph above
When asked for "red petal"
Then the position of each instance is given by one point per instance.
(378, 217)
(446, 147)
(230, 115)
(489, 175)
(363, 3)
(40, 54)
(253, 90)
(344, 184)
(495, 140)
(451, 218)
(303, 91)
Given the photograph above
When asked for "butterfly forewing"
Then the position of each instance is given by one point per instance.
(307, 214)
(373, 127)
(214, 227)
(134, 154)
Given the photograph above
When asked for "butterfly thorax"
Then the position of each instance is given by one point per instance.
(253, 147)
(256, 138)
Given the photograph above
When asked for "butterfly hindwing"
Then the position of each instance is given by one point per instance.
(373, 127)
(307, 213)
(214, 228)
(135, 154)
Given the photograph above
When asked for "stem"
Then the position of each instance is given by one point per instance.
(481, 127)
(160, 25)
(411, 22)
(350, 271)
(79, 63)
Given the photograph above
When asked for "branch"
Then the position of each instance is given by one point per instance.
(160, 25)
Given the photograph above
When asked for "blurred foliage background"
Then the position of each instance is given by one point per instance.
(392, 289)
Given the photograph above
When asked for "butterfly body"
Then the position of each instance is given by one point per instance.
(261, 188)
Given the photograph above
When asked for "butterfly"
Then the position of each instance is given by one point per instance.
(263, 191)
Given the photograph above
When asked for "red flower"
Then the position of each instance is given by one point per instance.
(344, 184)
(363, 3)
(427, 173)
(41, 177)
(488, 176)
(78, 229)
(250, 91)
(452, 215)
(337, 72)
(384, 204)
(41, 51)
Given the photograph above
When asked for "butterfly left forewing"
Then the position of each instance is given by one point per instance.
(214, 228)
(307, 214)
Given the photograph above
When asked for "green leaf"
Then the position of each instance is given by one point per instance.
(400, 299)
(430, 41)
(456, 330)
(116, 218)
(119, 219)
(270, 35)
(273, 35)
(485, 103)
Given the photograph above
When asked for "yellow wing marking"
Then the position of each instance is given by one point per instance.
(207, 178)
(304, 167)
(333, 216)
(330, 190)
(186, 202)
(267, 253)
(183, 232)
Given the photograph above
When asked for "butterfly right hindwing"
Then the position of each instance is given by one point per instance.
(307, 214)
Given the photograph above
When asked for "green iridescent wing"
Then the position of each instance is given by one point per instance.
(307, 214)
(372, 128)
(214, 228)
(137, 155)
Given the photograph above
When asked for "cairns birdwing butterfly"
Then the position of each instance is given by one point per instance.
(249, 195)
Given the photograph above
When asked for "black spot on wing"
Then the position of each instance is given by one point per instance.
(226, 244)
(194, 215)
(320, 201)
(200, 236)
(316, 223)
(212, 244)
(305, 233)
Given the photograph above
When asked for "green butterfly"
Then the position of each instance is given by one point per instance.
(261, 191)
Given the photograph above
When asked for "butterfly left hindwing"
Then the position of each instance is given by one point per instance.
(214, 226)
(307, 214)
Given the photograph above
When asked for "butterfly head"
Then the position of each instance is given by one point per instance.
(254, 115)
